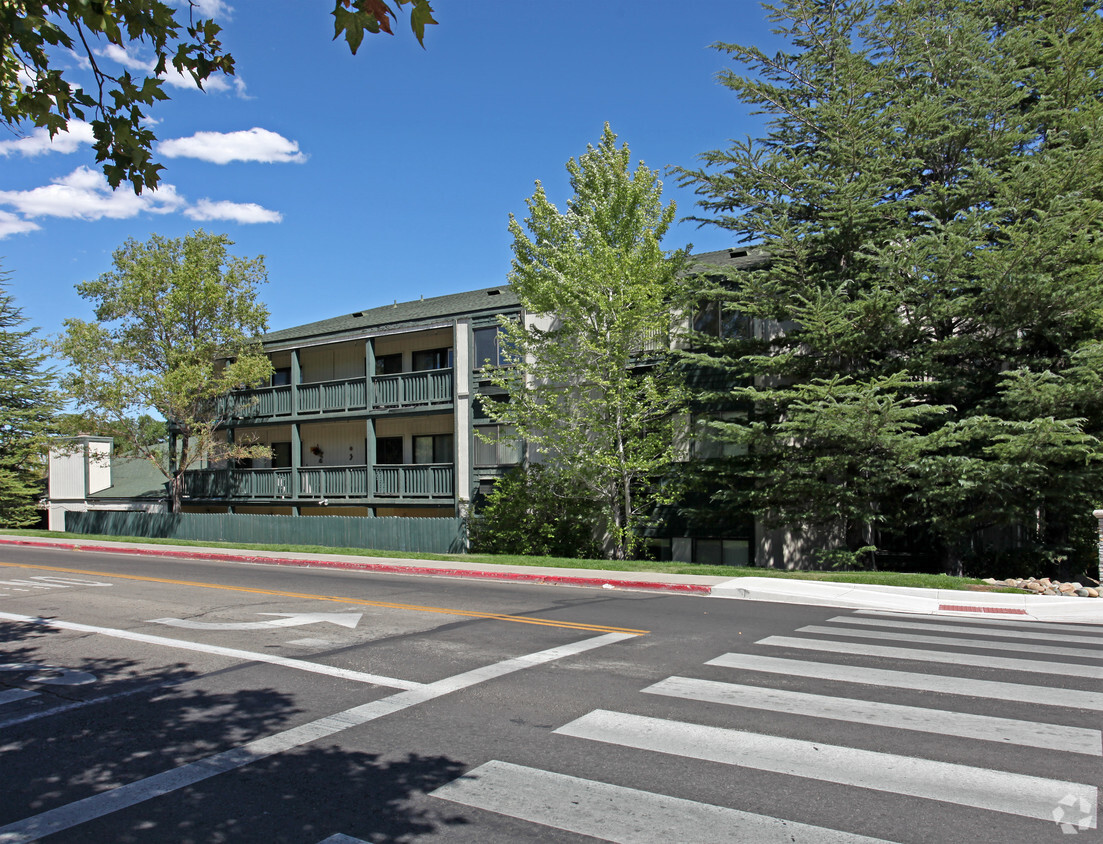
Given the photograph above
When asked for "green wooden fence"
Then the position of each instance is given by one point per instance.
(385, 533)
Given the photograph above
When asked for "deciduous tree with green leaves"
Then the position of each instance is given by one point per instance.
(28, 405)
(930, 193)
(39, 88)
(589, 385)
(177, 330)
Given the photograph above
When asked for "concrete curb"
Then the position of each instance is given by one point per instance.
(508, 575)
(941, 602)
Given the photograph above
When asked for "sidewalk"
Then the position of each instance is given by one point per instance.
(942, 602)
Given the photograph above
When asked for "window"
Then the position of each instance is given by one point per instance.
(488, 348)
(281, 377)
(497, 445)
(281, 455)
(707, 445)
(388, 364)
(388, 450)
(720, 321)
(432, 359)
(435, 448)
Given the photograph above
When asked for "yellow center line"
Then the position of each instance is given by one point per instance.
(570, 625)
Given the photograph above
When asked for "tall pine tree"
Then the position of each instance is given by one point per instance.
(28, 404)
(930, 191)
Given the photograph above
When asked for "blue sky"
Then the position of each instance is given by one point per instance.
(390, 174)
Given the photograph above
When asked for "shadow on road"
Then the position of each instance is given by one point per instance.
(70, 742)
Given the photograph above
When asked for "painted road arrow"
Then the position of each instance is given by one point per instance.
(287, 619)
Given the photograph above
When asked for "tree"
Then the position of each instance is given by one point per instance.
(589, 385)
(28, 403)
(528, 513)
(930, 194)
(176, 332)
(36, 87)
(144, 430)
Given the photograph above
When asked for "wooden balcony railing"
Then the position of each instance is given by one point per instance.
(325, 396)
(427, 480)
(393, 482)
(404, 390)
(262, 402)
(413, 389)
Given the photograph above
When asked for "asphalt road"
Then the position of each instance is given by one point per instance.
(169, 700)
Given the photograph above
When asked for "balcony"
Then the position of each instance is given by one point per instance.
(259, 403)
(413, 389)
(400, 482)
(238, 483)
(426, 480)
(406, 390)
(334, 482)
(343, 394)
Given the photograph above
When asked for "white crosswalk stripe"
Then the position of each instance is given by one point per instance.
(963, 785)
(1044, 627)
(938, 683)
(1006, 633)
(615, 813)
(1092, 672)
(873, 713)
(978, 644)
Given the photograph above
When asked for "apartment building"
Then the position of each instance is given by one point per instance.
(374, 413)
(380, 413)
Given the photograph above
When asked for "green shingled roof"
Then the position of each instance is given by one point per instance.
(133, 477)
(488, 302)
(737, 258)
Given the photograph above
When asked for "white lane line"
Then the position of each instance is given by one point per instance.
(12, 695)
(1064, 669)
(628, 815)
(940, 684)
(977, 644)
(216, 650)
(963, 785)
(341, 838)
(131, 794)
(990, 621)
(940, 722)
(287, 619)
(1032, 635)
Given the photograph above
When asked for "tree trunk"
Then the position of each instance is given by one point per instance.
(951, 561)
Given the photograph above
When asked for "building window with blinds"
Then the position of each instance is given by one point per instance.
(497, 445)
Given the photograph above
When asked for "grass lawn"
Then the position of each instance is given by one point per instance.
(882, 578)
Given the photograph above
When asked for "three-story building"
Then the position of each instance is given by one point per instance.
(370, 414)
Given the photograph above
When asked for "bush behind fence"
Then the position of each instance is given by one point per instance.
(384, 533)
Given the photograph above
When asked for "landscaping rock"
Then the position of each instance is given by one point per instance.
(1048, 586)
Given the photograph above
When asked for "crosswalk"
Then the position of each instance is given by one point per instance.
(1037, 776)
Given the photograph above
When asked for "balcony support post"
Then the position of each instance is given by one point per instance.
(296, 459)
(369, 373)
(296, 377)
(369, 456)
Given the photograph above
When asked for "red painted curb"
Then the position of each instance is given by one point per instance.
(387, 568)
(964, 608)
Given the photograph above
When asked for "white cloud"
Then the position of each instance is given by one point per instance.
(255, 144)
(209, 8)
(11, 224)
(239, 212)
(39, 141)
(172, 76)
(85, 195)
